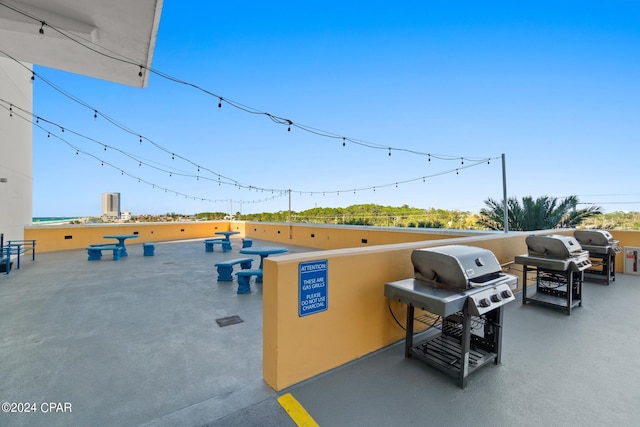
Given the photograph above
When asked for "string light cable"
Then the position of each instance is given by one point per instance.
(124, 128)
(237, 183)
(475, 161)
(141, 161)
(104, 162)
(12, 108)
(276, 119)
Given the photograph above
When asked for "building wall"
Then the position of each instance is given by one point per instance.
(111, 205)
(15, 149)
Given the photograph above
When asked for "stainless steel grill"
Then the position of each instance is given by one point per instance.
(464, 285)
(555, 252)
(559, 262)
(602, 248)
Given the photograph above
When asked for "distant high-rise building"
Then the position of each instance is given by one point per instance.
(111, 205)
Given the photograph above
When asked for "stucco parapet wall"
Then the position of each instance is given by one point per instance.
(415, 230)
(517, 238)
(37, 226)
(76, 236)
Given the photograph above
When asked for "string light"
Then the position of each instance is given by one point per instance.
(290, 123)
(41, 30)
(123, 172)
(275, 118)
(234, 104)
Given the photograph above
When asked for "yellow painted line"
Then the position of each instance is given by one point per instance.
(298, 414)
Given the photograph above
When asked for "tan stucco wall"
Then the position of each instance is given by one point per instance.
(66, 237)
(55, 237)
(336, 237)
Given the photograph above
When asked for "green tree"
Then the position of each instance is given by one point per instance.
(542, 213)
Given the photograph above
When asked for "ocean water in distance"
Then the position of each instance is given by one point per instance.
(52, 219)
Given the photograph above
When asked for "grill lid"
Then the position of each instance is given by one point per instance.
(553, 246)
(594, 237)
(454, 266)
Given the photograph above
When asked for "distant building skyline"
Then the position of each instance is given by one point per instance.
(111, 205)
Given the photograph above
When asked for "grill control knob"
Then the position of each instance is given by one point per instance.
(496, 298)
(484, 302)
(506, 294)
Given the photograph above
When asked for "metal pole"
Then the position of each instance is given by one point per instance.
(290, 236)
(504, 194)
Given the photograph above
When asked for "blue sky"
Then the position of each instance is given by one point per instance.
(555, 87)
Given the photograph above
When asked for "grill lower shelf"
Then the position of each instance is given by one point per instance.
(553, 288)
(549, 299)
(443, 352)
(604, 268)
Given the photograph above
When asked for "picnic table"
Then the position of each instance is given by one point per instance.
(227, 235)
(121, 238)
(263, 251)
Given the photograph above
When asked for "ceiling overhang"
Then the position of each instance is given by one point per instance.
(112, 40)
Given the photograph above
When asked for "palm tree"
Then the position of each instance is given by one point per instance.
(542, 213)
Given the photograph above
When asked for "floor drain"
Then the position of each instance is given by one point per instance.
(230, 320)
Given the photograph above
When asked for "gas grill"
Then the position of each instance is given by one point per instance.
(602, 248)
(559, 262)
(466, 287)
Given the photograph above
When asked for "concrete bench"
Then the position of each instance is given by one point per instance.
(148, 249)
(246, 242)
(95, 251)
(225, 268)
(209, 243)
(244, 279)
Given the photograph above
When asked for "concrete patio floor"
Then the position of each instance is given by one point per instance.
(136, 343)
